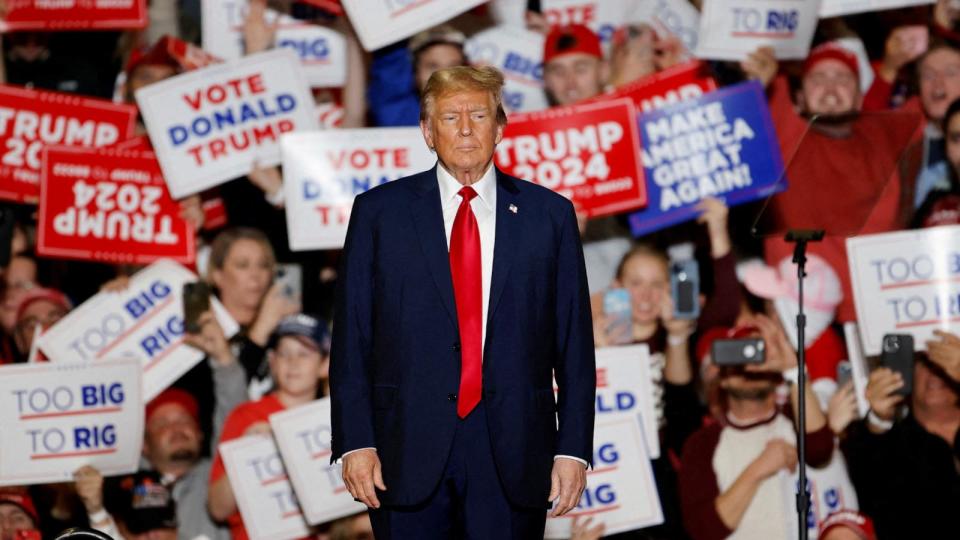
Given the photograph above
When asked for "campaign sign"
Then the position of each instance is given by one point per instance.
(722, 145)
(210, 125)
(303, 436)
(625, 389)
(858, 365)
(322, 51)
(109, 205)
(74, 15)
(33, 119)
(603, 17)
(905, 282)
(56, 418)
(678, 17)
(379, 23)
(517, 53)
(324, 170)
(587, 153)
(667, 87)
(143, 322)
(732, 29)
(264, 495)
(836, 8)
(621, 491)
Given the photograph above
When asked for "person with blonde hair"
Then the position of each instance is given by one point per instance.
(462, 292)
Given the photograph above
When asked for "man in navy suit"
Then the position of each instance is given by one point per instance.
(461, 297)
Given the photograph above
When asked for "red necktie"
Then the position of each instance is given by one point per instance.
(468, 291)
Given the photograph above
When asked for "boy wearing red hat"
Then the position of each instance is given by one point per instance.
(573, 65)
(18, 515)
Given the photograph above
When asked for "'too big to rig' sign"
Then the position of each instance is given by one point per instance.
(210, 125)
(55, 418)
(33, 119)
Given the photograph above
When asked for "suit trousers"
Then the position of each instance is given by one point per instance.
(469, 503)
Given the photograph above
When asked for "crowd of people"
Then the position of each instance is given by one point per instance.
(883, 154)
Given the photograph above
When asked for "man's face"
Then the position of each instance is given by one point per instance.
(574, 77)
(13, 519)
(830, 88)
(463, 130)
(172, 436)
(435, 58)
(939, 82)
(39, 312)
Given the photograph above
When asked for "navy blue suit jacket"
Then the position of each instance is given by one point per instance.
(395, 366)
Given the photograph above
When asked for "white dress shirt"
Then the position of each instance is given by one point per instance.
(484, 207)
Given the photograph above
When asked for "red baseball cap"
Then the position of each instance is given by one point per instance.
(852, 520)
(831, 50)
(19, 497)
(574, 38)
(177, 396)
(42, 293)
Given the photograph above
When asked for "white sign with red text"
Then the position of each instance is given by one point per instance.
(56, 418)
(211, 125)
(603, 17)
(303, 437)
(836, 8)
(517, 53)
(321, 50)
(732, 29)
(143, 322)
(905, 282)
(379, 23)
(264, 495)
(677, 17)
(621, 492)
(324, 170)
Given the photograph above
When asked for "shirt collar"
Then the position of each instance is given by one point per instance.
(485, 187)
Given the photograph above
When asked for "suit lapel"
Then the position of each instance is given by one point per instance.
(507, 239)
(428, 220)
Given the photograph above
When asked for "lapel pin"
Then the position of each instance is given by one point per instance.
(512, 208)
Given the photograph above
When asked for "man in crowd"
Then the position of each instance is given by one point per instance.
(573, 65)
(37, 309)
(18, 515)
(904, 466)
(733, 481)
(172, 448)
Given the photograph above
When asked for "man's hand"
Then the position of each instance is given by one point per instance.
(904, 45)
(881, 392)
(581, 530)
(945, 353)
(211, 339)
(258, 34)
(89, 485)
(361, 473)
(778, 454)
(779, 355)
(842, 408)
(567, 481)
(761, 65)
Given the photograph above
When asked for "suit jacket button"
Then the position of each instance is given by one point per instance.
(451, 397)
(456, 347)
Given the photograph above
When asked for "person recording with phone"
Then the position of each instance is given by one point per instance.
(732, 472)
(903, 457)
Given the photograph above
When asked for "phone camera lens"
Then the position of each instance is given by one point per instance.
(749, 351)
(891, 344)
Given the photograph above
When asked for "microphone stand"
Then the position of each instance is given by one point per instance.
(801, 237)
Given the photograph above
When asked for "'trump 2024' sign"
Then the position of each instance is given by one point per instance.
(210, 125)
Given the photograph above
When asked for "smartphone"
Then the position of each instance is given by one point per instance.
(196, 300)
(685, 288)
(897, 354)
(738, 352)
(290, 277)
(618, 309)
(844, 373)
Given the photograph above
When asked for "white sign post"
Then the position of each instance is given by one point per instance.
(264, 495)
(56, 418)
(321, 50)
(379, 23)
(516, 52)
(621, 491)
(210, 125)
(144, 322)
(858, 364)
(905, 282)
(836, 8)
(732, 29)
(303, 436)
(323, 171)
(625, 389)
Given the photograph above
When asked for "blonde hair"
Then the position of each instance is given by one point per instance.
(220, 248)
(457, 79)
